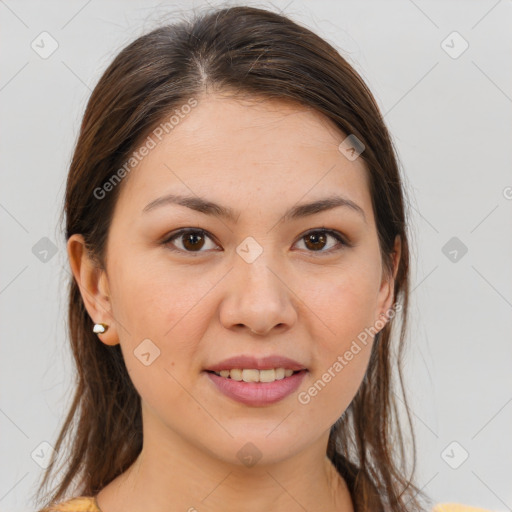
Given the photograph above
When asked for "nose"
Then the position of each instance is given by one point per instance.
(258, 298)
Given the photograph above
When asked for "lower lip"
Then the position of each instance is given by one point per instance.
(257, 393)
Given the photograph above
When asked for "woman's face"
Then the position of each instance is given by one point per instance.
(259, 283)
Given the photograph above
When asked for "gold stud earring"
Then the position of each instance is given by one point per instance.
(99, 328)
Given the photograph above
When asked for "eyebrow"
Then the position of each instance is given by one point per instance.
(211, 208)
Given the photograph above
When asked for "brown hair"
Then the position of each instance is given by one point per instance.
(251, 52)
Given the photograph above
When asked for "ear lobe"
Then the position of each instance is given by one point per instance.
(397, 251)
(93, 284)
(386, 293)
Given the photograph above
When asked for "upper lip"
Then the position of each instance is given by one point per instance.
(261, 363)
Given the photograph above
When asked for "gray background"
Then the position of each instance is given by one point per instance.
(450, 116)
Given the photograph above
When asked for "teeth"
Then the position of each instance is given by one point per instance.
(280, 373)
(250, 375)
(235, 374)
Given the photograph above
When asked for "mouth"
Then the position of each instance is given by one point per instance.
(254, 375)
(256, 388)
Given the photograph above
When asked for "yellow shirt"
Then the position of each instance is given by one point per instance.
(79, 504)
(89, 504)
(453, 507)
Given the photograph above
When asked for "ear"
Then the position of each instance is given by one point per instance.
(387, 287)
(93, 284)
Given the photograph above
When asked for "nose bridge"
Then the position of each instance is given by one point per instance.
(258, 297)
(255, 261)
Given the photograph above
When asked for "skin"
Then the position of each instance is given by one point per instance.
(259, 158)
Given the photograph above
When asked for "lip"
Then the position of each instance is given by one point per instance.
(253, 363)
(257, 394)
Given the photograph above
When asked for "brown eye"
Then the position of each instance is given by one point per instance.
(192, 240)
(316, 241)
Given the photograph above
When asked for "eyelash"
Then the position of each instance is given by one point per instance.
(335, 234)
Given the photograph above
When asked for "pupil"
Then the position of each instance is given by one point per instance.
(315, 238)
(192, 238)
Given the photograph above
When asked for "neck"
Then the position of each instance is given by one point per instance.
(179, 476)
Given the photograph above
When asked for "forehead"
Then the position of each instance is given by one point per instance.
(248, 150)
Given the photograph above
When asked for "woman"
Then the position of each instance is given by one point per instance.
(236, 229)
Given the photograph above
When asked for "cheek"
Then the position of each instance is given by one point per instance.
(158, 303)
(331, 389)
(157, 299)
(345, 304)
(161, 312)
(341, 356)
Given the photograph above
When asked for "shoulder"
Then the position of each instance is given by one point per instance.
(78, 504)
(457, 507)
